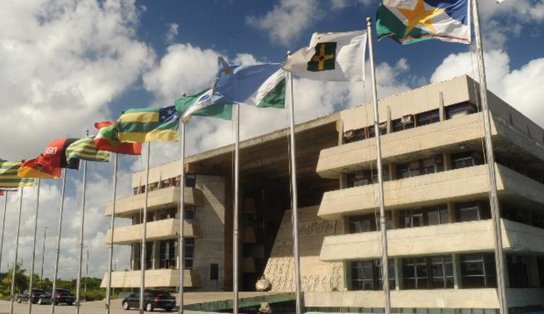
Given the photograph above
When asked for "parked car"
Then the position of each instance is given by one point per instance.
(152, 299)
(63, 296)
(37, 296)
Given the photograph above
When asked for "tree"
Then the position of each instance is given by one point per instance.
(21, 279)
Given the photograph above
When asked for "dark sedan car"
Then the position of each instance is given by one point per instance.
(37, 296)
(63, 296)
(152, 299)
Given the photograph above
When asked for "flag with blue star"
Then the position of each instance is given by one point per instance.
(411, 21)
(148, 125)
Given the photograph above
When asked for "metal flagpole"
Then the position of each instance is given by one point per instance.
(383, 231)
(296, 253)
(493, 198)
(144, 231)
(34, 247)
(112, 226)
(3, 226)
(61, 210)
(43, 252)
(81, 237)
(181, 251)
(235, 227)
(12, 293)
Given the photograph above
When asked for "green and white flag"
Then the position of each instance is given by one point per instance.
(330, 57)
(204, 103)
(271, 93)
(85, 149)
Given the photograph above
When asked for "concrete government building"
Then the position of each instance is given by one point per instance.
(436, 193)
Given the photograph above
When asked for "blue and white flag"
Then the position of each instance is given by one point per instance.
(260, 85)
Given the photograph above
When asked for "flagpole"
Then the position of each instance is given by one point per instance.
(16, 251)
(235, 227)
(493, 198)
(112, 226)
(181, 251)
(3, 227)
(81, 236)
(383, 231)
(34, 246)
(144, 231)
(296, 252)
(61, 210)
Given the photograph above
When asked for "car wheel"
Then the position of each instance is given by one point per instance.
(168, 309)
(126, 306)
(149, 307)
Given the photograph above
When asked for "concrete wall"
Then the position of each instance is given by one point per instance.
(315, 275)
(210, 219)
(156, 230)
(154, 278)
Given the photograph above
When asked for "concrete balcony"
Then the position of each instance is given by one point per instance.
(464, 237)
(154, 278)
(439, 299)
(434, 137)
(453, 185)
(156, 230)
(158, 199)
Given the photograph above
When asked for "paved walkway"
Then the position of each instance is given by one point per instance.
(97, 307)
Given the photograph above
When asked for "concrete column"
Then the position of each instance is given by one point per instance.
(532, 271)
(343, 181)
(447, 161)
(392, 171)
(398, 274)
(340, 130)
(441, 109)
(155, 253)
(456, 263)
(395, 216)
(451, 211)
(389, 125)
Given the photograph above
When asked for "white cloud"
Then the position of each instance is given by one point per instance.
(288, 19)
(62, 62)
(172, 32)
(519, 87)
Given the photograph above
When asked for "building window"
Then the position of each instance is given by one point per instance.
(517, 271)
(354, 135)
(167, 254)
(427, 117)
(189, 252)
(214, 271)
(472, 211)
(459, 110)
(189, 212)
(366, 275)
(190, 180)
(434, 272)
(478, 271)
(466, 159)
(149, 255)
(369, 223)
(419, 167)
(427, 216)
(365, 177)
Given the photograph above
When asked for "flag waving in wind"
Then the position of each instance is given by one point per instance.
(107, 139)
(50, 163)
(330, 57)
(411, 21)
(260, 85)
(149, 124)
(9, 178)
(85, 149)
(204, 103)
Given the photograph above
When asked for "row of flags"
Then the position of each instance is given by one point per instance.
(329, 57)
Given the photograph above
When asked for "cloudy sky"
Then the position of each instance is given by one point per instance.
(65, 64)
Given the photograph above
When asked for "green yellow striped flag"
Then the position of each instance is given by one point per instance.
(9, 178)
(85, 149)
(149, 124)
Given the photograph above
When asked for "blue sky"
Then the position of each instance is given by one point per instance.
(65, 65)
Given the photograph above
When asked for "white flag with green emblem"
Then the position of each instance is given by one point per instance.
(331, 57)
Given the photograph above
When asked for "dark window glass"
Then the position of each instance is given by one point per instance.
(458, 110)
(428, 272)
(167, 254)
(425, 216)
(478, 271)
(214, 271)
(189, 212)
(190, 180)
(354, 135)
(472, 211)
(366, 275)
(363, 223)
(148, 255)
(517, 271)
(189, 252)
(427, 117)
(466, 159)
